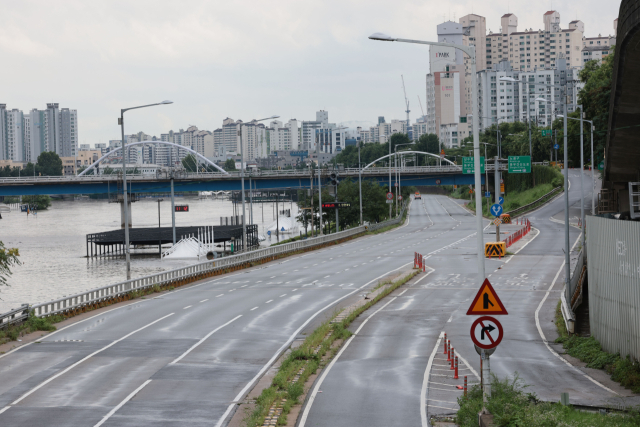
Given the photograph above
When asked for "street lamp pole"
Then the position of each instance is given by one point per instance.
(125, 199)
(471, 51)
(159, 230)
(360, 181)
(244, 221)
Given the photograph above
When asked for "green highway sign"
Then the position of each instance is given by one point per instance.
(467, 165)
(547, 132)
(601, 165)
(519, 164)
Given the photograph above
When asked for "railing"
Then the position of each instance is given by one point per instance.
(542, 200)
(293, 173)
(514, 237)
(14, 316)
(111, 292)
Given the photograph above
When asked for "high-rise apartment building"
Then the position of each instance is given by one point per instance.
(24, 136)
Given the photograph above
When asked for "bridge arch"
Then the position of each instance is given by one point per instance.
(407, 152)
(181, 147)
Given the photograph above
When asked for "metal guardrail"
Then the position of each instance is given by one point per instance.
(542, 200)
(14, 316)
(115, 291)
(293, 173)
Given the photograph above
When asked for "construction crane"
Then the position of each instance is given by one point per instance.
(422, 109)
(407, 102)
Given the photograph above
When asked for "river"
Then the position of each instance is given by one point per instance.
(53, 249)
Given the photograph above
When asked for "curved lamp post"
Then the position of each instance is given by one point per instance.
(471, 51)
(124, 182)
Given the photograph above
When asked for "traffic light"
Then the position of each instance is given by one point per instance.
(334, 178)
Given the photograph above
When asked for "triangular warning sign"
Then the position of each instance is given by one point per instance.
(486, 301)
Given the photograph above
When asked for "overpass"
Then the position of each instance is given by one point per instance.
(216, 181)
(622, 150)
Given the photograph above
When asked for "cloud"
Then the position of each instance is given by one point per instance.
(242, 59)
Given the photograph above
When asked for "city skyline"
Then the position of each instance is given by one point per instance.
(109, 56)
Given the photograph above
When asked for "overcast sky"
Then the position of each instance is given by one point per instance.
(241, 59)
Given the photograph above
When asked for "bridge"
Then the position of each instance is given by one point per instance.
(216, 181)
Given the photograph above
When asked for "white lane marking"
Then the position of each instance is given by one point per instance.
(243, 286)
(401, 293)
(282, 295)
(425, 383)
(4, 409)
(187, 307)
(259, 281)
(292, 337)
(268, 301)
(59, 374)
(218, 296)
(204, 339)
(312, 397)
(544, 339)
(327, 276)
(443, 407)
(294, 290)
(205, 300)
(121, 404)
(272, 277)
(253, 308)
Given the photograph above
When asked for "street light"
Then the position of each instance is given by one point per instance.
(471, 51)
(593, 207)
(124, 182)
(244, 221)
(399, 190)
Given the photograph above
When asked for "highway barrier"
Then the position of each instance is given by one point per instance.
(495, 249)
(123, 291)
(514, 237)
(536, 203)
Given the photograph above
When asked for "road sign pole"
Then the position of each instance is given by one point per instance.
(497, 191)
(486, 376)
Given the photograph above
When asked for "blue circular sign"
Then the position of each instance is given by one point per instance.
(496, 210)
(556, 146)
(501, 200)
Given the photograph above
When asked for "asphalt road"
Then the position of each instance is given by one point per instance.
(394, 372)
(185, 357)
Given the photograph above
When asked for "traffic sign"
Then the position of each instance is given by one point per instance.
(438, 182)
(486, 332)
(546, 132)
(601, 165)
(333, 205)
(468, 165)
(519, 164)
(389, 195)
(400, 197)
(442, 154)
(395, 184)
(487, 194)
(182, 208)
(496, 209)
(501, 200)
(501, 180)
(556, 146)
(502, 188)
(497, 221)
(389, 202)
(486, 301)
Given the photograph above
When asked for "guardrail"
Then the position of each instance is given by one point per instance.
(117, 292)
(542, 200)
(293, 173)
(14, 316)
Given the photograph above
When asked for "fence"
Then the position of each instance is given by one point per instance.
(514, 237)
(541, 201)
(118, 291)
(614, 284)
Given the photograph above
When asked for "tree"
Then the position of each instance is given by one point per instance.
(49, 164)
(8, 258)
(190, 163)
(230, 165)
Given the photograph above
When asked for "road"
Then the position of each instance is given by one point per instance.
(394, 371)
(184, 357)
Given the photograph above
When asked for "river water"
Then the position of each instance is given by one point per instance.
(53, 244)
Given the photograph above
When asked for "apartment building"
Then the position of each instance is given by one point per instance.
(504, 101)
(24, 136)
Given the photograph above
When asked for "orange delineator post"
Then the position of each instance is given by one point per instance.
(424, 266)
(453, 352)
(449, 351)
(445, 343)
(465, 386)
(455, 374)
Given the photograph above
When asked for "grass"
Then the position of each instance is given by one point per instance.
(309, 356)
(514, 200)
(13, 332)
(623, 370)
(511, 405)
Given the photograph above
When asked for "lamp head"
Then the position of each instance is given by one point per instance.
(382, 37)
(166, 102)
(273, 117)
(560, 116)
(541, 99)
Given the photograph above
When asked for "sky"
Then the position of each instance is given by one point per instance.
(243, 59)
